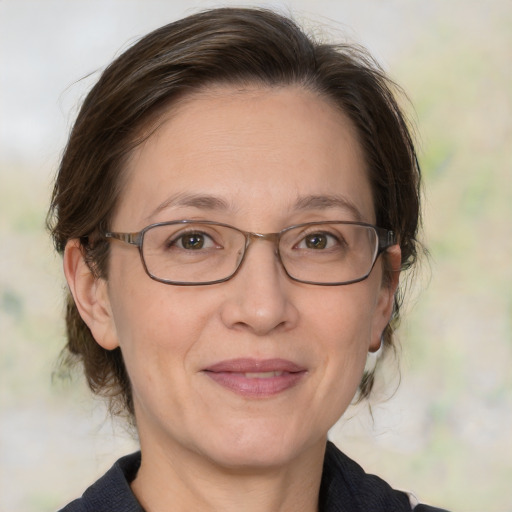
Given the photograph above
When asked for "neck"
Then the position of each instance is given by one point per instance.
(191, 482)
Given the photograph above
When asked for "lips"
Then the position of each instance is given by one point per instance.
(253, 378)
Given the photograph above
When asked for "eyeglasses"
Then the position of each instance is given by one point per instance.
(188, 252)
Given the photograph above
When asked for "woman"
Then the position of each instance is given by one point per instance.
(234, 206)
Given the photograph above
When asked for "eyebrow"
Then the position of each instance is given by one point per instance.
(200, 201)
(325, 202)
(215, 203)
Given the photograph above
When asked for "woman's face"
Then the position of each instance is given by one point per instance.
(255, 370)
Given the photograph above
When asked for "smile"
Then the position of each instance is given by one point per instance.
(252, 378)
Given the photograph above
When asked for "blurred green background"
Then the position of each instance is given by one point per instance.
(446, 434)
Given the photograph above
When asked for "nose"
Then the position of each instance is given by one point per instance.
(259, 298)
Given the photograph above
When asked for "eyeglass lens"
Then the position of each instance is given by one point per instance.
(202, 253)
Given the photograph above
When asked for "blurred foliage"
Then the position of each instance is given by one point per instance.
(460, 335)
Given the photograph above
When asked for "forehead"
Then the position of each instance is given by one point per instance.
(257, 149)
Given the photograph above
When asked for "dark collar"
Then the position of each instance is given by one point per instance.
(345, 487)
(112, 492)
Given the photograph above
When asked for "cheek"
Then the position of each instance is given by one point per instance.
(150, 322)
(338, 337)
(158, 335)
(343, 327)
(344, 315)
(156, 325)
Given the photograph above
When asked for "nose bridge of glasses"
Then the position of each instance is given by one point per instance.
(273, 238)
(250, 237)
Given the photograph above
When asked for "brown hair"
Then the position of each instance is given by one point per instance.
(223, 46)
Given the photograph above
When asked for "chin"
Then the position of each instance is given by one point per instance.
(258, 449)
(251, 458)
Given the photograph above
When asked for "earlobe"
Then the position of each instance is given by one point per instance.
(386, 297)
(90, 295)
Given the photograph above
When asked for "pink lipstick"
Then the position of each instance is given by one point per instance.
(256, 378)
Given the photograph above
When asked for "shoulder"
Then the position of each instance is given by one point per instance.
(112, 491)
(345, 486)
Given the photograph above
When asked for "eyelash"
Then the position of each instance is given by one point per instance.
(338, 240)
(174, 240)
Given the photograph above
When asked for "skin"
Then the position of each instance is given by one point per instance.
(206, 447)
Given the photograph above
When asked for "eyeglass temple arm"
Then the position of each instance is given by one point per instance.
(386, 239)
(129, 238)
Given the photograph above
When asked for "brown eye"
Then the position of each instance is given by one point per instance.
(316, 241)
(193, 241)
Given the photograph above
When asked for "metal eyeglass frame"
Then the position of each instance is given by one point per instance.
(385, 237)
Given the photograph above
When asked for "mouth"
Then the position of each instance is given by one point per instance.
(253, 378)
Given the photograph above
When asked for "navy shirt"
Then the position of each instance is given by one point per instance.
(345, 487)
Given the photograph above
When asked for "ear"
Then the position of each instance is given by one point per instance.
(91, 296)
(385, 301)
